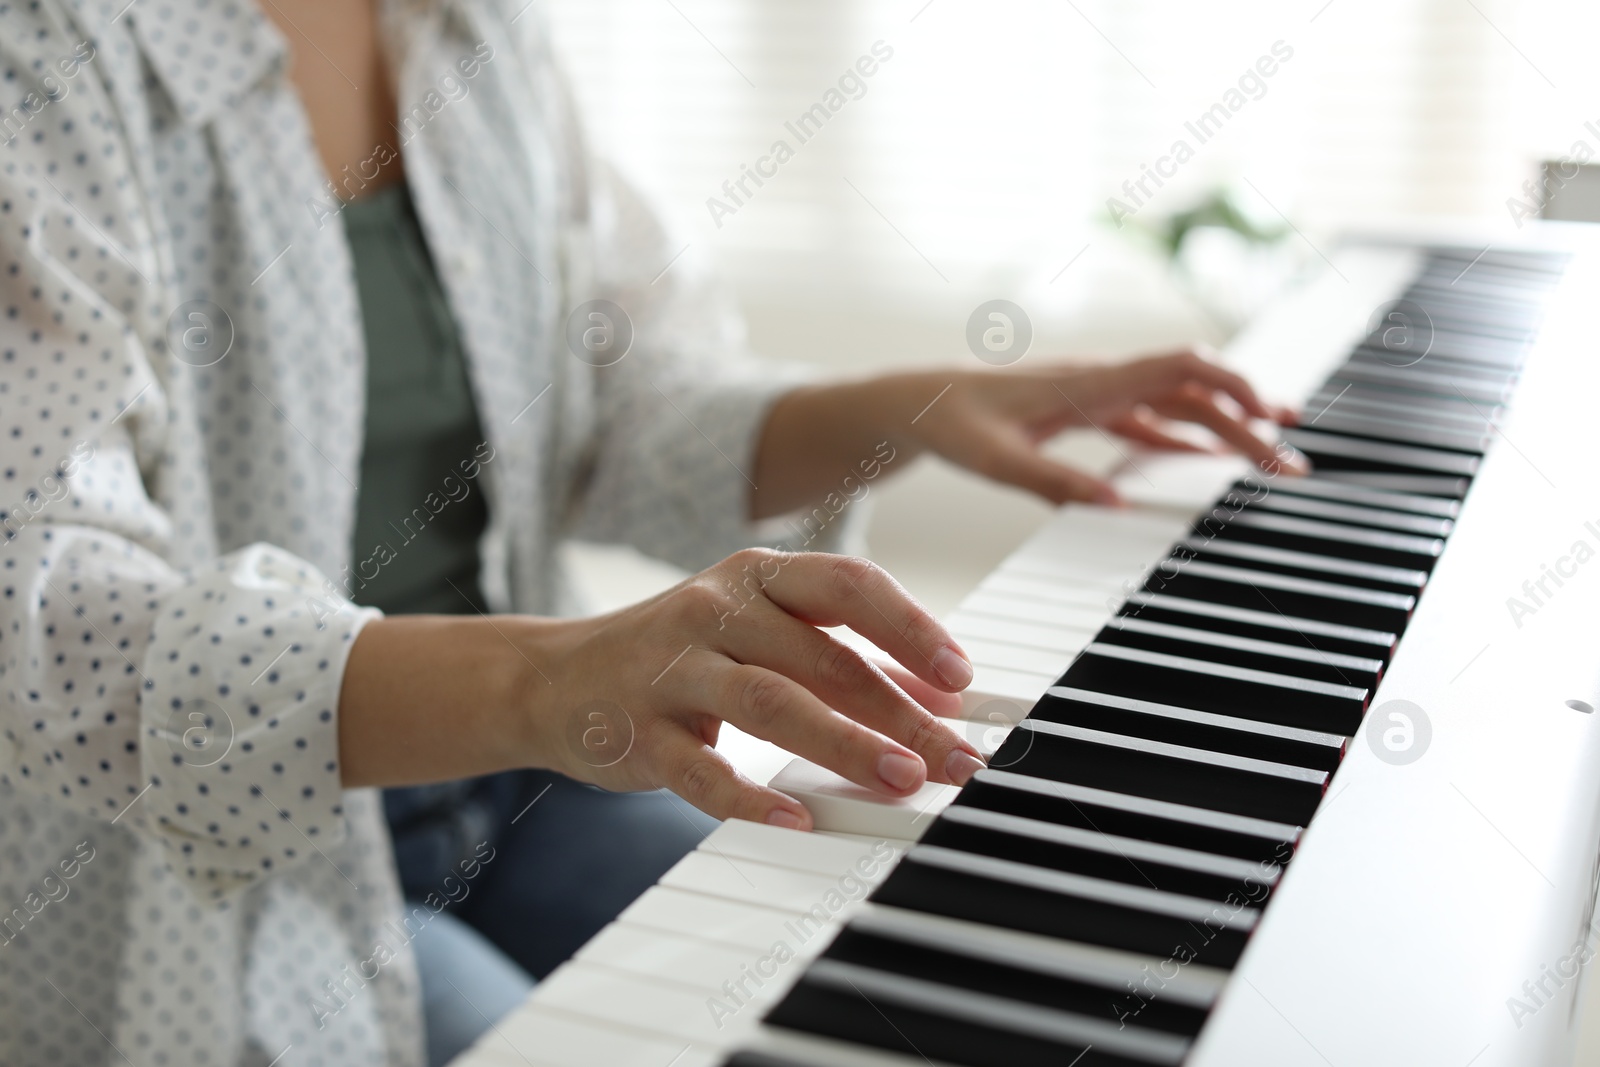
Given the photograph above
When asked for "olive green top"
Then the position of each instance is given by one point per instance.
(418, 514)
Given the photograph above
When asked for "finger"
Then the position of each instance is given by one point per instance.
(1158, 375)
(1205, 410)
(845, 681)
(703, 776)
(1019, 463)
(1138, 428)
(828, 590)
(765, 704)
(944, 705)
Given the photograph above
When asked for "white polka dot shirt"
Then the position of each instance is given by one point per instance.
(182, 879)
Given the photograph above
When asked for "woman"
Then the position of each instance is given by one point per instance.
(287, 340)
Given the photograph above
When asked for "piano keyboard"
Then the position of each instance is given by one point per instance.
(1158, 865)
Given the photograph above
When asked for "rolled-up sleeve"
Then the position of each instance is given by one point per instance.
(681, 415)
(193, 701)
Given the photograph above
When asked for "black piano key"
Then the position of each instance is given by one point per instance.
(1350, 493)
(1354, 514)
(1344, 420)
(847, 1005)
(1341, 450)
(1264, 625)
(858, 944)
(1243, 585)
(1399, 403)
(1201, 643)
(1258, 553)
(1096, 855)
(1161, 771)
(1323, 541)
(1195, 729)
(1056, 904)
(1453, 489)
(1400, 408)
(1127, 815)
(1449, 362)
(1423, 379)
(1220, 688)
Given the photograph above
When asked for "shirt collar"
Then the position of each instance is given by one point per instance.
(207, 53)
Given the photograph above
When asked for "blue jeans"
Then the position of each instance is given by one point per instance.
(535, 864)
(467, 983)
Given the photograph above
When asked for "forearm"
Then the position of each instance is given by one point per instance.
(818, 434)
(428, 698)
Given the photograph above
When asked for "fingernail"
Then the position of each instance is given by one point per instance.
(952, 667)
(961, 766)
(899, 771)
(785, 818)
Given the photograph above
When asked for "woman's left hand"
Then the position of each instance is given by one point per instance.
(993, 422)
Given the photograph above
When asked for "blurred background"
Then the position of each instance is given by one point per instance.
(978, 159)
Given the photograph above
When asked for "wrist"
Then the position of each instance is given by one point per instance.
(529, 689)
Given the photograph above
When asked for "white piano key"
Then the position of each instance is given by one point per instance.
(761, 883)
(1024, 586)
(988, 732)
(1074, 580)
(1023, 658)
(683, 960)
(985, 605)
(992, 685)
(739, 839)
(534, 1034)
(837, 803)
(1109, 537)
(1187, 483)
(1060, 640)
(670, 1013)
(717, 919)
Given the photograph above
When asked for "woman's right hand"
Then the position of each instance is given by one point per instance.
(635, 699)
